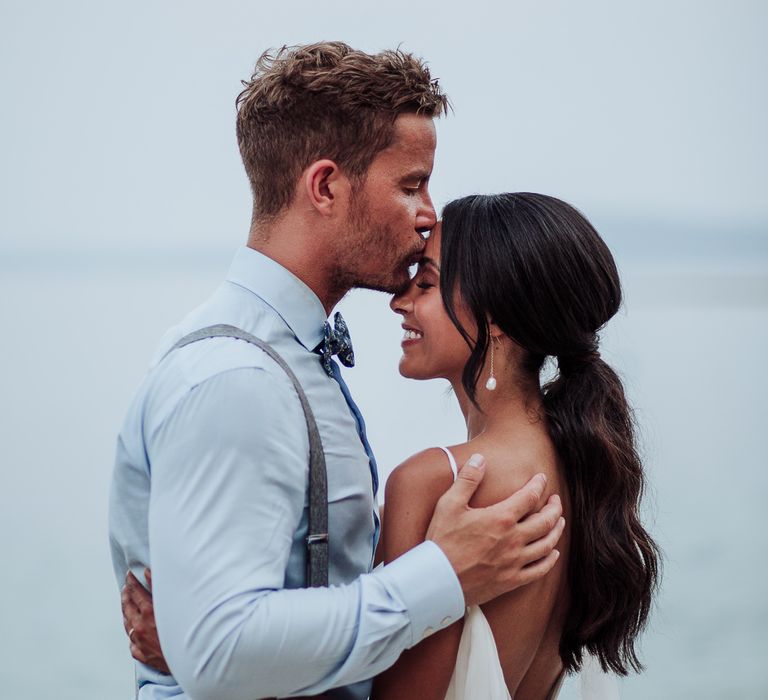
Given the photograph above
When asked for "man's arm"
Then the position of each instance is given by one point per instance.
(228, 492)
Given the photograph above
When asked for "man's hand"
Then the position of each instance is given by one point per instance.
(499, 548)
(139, 622)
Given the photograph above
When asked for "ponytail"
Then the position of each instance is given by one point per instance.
(536, 267)
(613, 562)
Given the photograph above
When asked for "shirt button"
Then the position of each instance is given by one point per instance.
(427, 632)
(446, 621)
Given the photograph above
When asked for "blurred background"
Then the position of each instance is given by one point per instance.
(122, 200)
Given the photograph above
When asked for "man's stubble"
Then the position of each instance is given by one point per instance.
(368, 256)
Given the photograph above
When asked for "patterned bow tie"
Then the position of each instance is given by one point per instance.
(336, 341)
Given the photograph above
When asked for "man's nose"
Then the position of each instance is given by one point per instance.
(427, 216)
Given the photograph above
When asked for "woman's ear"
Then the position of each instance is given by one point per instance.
(326, 187)
(494, 330)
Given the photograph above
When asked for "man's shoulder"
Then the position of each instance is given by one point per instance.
(198, 361)
(174, 373)
(195, 363)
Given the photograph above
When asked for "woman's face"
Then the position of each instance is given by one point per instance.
(432, 345)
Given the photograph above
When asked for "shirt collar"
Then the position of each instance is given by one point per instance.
(291, 299)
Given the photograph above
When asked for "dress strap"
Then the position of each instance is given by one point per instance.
(452, 461)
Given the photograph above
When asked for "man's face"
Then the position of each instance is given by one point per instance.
(392, 210)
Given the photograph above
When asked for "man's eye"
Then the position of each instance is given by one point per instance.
(413, 189)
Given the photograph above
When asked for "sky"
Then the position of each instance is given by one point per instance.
(117, 120)
(122, 200)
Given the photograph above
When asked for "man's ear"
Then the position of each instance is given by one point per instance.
(326, 187)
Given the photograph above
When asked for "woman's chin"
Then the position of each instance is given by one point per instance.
(410, 370)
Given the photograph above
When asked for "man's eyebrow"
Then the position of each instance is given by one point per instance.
(417, 175)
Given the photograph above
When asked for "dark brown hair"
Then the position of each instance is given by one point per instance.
(537, 267)
(325, 100)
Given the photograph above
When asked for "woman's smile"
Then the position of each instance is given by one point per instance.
(410, 335)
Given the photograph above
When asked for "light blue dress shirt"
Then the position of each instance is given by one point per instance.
(210, 489)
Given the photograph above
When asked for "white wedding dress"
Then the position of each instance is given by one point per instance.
(478, 674)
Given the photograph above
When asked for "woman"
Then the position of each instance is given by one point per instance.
(506, 282)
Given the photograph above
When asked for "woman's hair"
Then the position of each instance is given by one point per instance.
(536, 267)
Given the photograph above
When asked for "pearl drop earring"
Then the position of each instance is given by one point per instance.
(491, 383)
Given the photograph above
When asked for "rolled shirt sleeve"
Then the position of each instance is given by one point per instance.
(229, 486)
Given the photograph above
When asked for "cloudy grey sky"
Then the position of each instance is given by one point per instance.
(117, 118)
(122, 199)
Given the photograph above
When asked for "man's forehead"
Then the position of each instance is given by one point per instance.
(415, 134)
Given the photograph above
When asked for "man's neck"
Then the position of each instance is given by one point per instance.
(305, 257)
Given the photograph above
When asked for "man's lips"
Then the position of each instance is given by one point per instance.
(416, 256)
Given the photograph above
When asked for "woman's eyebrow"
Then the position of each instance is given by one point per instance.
(424, 261)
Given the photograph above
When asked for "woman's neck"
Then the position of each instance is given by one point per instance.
(509, 405)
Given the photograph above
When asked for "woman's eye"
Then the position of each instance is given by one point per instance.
(424, 285)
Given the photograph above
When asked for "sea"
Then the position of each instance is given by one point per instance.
(691, 343)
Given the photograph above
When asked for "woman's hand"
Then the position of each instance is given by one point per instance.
(139, 622)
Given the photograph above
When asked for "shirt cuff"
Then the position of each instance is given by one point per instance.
(425, 581)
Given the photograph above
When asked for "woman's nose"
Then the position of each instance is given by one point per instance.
(400, 303)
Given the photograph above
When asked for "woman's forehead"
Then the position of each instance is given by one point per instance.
(432, 249)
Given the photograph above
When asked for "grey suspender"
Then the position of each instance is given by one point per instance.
(317, 535)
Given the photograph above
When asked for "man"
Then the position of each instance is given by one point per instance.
(211, 476)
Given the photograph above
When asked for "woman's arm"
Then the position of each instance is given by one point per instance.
(378, 557)
(413, 489)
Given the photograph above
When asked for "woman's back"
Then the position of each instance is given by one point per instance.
(527, 623)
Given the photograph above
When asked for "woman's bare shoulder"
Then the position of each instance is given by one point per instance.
(427, 471)
(509, 466)
(412, 491)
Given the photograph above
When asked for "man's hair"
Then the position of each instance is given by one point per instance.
(325, 100)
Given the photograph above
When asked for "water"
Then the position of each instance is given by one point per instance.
(77, 335)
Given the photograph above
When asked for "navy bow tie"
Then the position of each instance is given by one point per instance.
(336, 341)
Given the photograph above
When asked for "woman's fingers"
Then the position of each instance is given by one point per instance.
(137, 594)
(137, 607)
(130, 611)
(131, 602)
(138, 654)
(139, 622)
